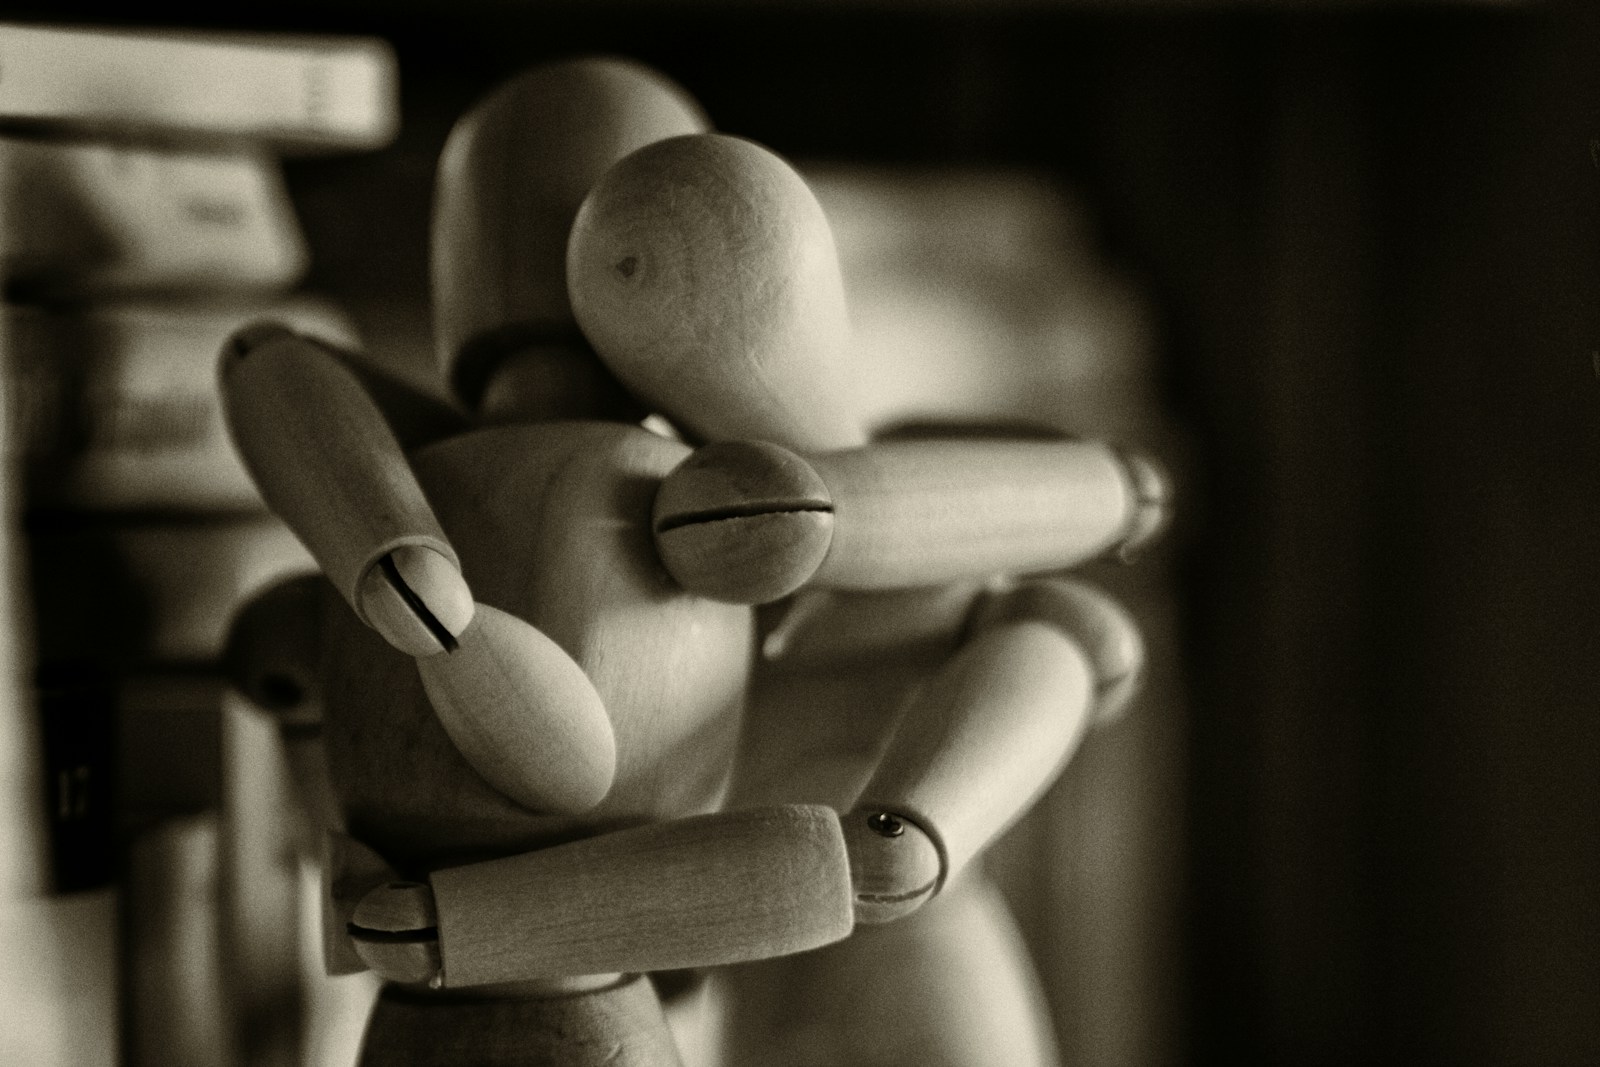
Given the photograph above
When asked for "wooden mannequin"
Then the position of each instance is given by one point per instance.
(535, 668)
(890, 531)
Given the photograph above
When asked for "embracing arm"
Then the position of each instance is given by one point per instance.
(968, 757)
(750, 522)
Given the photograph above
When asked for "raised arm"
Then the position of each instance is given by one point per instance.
(519, 709)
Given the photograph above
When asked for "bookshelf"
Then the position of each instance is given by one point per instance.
(143, 219)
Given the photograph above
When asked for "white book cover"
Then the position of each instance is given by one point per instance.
(292, 92)
(97, 218)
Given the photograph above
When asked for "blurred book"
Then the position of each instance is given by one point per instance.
(24, 837)
(116, 406)
(58, 963)
(89, 218)
(58, 980)
(289, 92)
(980, 295)
(143, 219)
(178, 1011)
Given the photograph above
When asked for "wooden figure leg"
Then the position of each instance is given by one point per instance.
(619, 1025)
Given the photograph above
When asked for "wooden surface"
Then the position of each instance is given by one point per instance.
(985, 737)
(510, 181)
(1103, 629)
(703, 271)
(752, 522)
(523, 714)
(693, 892)
(553, 526)
(895, 868)
(322, 455)
(414, 596)
(350, 870)
(388, 931)
(621, 1026)
(742, 521)
(923, 512)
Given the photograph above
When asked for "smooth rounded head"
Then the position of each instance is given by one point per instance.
(742, 521)
(703, 271)
(510, 179)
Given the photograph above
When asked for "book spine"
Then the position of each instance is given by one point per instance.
(98, 219)
(24, 832)
(116, 407)
(291, 92)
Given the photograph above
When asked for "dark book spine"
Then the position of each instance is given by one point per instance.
(77, 708)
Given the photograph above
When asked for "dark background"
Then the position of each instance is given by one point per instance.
(1370, 234)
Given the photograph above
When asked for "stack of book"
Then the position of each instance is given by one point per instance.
(148, 906)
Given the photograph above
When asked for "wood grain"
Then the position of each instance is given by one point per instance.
(692, 892)
(552, 523)
(743, 521)
(618, 1026)
(523, 714)
(323, 456)
(951, 985)
(703, 271)
(749, 522)
(510, 180)
(912, 513)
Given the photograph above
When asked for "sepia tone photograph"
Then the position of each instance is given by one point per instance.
(800, 533)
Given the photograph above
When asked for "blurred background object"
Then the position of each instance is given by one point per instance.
(1336, 262)
(153, 911)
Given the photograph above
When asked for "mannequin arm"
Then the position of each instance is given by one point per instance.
(699, 891)
(326, 461)
(987, 735)
(751, 522)
(516, 705)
